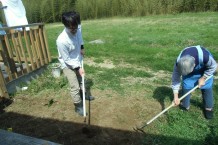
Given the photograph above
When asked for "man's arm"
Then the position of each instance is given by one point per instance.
(211, 67)
(176, 80)
(63, 50)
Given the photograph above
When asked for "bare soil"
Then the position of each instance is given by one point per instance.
(110, 120)
(50, 115)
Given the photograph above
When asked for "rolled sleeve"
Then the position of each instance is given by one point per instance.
(211, 67)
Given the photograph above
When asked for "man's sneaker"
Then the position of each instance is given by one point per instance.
(208, 114)
(79, 108)
(79, 111)
(90, 98)
(183, 108)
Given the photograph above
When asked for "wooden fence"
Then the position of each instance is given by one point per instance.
(23, 49)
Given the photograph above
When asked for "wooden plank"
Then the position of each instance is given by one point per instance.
(15, 59)
(17, 51)
(46, 43)
(8, 46)
(35, 56)
(23, 52)
(38, 46)
(10, 138)
(27, 40)
(5, 56)
(18, 47)
(19, 26)
(42, 42)
(3, 89)
(11, 55)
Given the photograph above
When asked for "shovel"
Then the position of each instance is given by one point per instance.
(83, 90)
(140, 128)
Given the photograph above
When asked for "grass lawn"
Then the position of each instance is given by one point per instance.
(130, 75)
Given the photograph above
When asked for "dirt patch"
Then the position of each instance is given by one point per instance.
(111, 116)
(106, 64)
(109, 65)
(110, 121)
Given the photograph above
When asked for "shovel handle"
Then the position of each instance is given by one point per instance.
(83, 90)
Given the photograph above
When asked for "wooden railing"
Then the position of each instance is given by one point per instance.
(21, 52)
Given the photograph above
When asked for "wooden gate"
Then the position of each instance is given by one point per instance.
(23, 49)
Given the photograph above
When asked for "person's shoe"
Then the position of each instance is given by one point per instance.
(208, 114)
(183, 108)
(79, 108)
(90, 98)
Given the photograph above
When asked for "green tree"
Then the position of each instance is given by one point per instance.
(50, 10)
(55, 10)
(46, 13)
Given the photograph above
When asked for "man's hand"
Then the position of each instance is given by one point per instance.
(176, 100)
(82, 52)
(201, 81)
(81, 72)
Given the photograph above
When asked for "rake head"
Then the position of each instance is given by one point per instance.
(140, 128)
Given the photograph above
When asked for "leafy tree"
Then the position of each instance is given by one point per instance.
(50, 10)
(46, 13)
(55, 10)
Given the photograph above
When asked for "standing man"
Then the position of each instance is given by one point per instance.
(70, 51)
(195, 64)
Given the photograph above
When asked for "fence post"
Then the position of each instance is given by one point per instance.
(46, 42)
(3, 89)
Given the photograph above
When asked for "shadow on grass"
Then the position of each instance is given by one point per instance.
(163, 93)
(54, 60)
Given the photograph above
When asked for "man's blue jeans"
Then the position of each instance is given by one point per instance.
(207, 95)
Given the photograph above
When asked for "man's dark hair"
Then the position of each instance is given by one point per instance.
(70, 19)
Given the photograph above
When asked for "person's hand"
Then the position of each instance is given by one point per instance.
(81, 72)
(201, 81)
(176, 100)
(82, 52)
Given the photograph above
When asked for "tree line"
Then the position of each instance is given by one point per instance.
(49, 11)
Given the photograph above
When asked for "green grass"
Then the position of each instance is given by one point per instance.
(143, 40)
(152, 43)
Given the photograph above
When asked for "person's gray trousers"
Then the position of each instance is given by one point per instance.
(75, 81)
